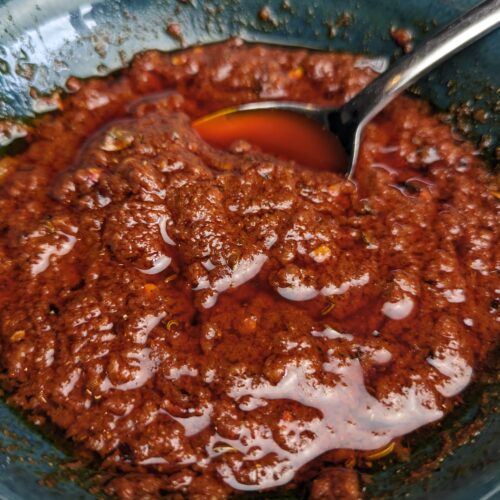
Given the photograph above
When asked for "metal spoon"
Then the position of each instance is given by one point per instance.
(348, 121)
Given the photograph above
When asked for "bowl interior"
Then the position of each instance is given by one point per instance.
(42, 43)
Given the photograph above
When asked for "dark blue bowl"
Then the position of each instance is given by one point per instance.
(43, 42)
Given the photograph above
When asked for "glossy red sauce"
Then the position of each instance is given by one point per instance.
(205, 322)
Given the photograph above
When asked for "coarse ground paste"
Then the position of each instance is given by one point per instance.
(206, 322)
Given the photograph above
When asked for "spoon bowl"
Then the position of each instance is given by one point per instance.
(287, 129)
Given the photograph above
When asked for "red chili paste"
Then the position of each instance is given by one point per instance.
(206, 322)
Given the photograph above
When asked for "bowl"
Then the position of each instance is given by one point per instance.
(43, 42)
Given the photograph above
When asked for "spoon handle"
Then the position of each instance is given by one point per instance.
(459, 33)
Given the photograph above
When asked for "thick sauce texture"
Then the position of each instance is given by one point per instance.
(206, 322)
